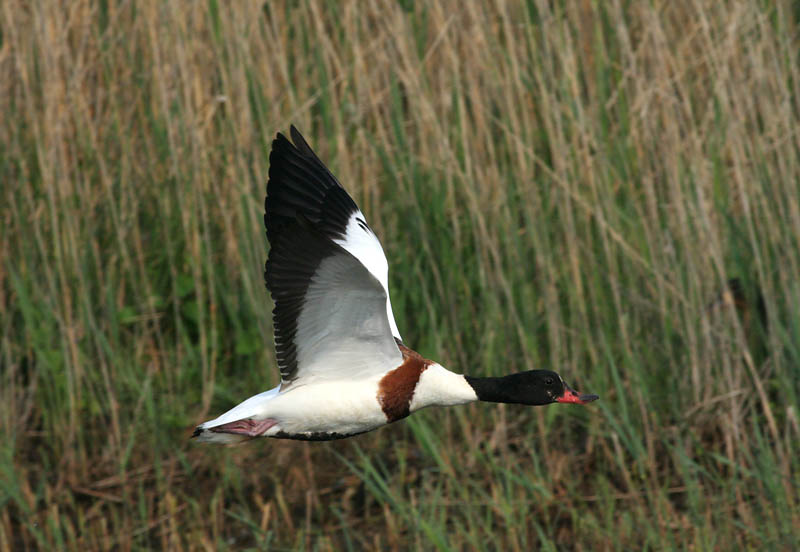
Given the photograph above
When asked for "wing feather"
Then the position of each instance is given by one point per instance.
(329, 317)
(326, 271)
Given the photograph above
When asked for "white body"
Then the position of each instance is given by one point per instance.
(341, 407)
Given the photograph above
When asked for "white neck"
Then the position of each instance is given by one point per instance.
(438, 386)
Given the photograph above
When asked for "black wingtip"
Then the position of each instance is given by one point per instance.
(280, 138)
(302, 146)
(297, 142)
(297, 138)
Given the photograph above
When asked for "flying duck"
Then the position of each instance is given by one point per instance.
(344, 367)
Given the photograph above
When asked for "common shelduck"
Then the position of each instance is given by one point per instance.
(344, 367)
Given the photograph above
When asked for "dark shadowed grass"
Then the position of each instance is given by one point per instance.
(567, 187)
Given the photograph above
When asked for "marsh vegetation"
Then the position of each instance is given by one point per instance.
(563, 186)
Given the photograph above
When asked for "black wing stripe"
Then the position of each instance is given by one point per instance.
(298, 184)
(330, 212)
(292, 263)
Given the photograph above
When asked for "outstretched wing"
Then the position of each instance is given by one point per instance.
(326, 271)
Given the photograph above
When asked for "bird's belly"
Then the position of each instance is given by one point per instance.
(326, 411)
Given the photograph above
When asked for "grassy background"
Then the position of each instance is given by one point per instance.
(559, 186)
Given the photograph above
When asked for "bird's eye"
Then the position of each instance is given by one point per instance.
(548, 381)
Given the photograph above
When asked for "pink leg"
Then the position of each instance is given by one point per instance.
(247, 427)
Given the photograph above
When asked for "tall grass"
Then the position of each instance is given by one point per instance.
(563, 186)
